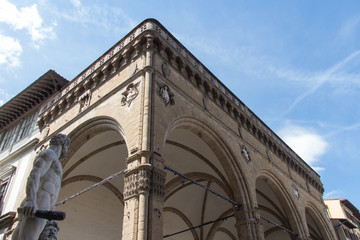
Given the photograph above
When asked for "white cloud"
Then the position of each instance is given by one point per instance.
(76, 3)
(306, 143)
(338, 75)
(342, 75)
(26, 18)
(4, 96)
(349, 28)
(105, 16)
(10, 51)
(333, 194)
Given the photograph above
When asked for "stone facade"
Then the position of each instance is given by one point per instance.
(148, 103)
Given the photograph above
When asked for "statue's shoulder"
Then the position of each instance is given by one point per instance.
(46, 152)
(46, 155)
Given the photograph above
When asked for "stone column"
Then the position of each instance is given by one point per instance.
(136, 193)
(144, 193)
(248, 225)
(145, 180)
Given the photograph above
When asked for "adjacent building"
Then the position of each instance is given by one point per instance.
(190, 160)
(345, 218)
(19, 135)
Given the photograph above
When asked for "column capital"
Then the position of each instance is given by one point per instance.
(137, 180)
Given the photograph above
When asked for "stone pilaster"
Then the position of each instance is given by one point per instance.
(156, 200)
(144, 192)
(136, 192)
(248, 225)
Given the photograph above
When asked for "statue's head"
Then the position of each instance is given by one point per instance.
(50, 231)
(63, 141)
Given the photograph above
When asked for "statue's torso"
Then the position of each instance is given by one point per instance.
(50, 182)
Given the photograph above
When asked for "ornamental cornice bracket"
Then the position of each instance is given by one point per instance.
(88, 83)
(138, 47)
(41, 123)
(116, 62)
(149, 41)
(54, 111)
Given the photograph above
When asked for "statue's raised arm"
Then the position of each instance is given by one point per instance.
(42, 188)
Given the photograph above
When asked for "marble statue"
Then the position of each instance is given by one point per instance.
(50, 231)
(42, 189)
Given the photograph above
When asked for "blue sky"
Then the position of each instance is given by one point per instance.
(294, 63)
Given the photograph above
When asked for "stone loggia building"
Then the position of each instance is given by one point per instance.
(150, 107)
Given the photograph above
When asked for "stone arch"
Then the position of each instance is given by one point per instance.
(89, 129)
(317, 225)
(98, 150)
(197, 151)
(221, 150)
(275, 203)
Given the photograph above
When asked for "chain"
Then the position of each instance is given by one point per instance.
(91, 187)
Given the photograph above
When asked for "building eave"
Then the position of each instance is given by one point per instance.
(30, 97)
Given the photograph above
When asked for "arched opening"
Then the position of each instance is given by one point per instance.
(274, 211)
(315, 223)
(97, 151)
(196, 154)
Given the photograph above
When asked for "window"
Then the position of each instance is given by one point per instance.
(25, 127)
(6, 174)
(3, 188)
(20, 131)
(8, 138)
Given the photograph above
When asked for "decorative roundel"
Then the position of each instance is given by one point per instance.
(166, 69)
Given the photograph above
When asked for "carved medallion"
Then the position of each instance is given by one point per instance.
(130, 94)
(296, 191)
(166, 70)
(164, 92)
(245, 154)
(84, 100)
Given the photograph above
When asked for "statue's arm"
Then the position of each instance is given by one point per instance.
(40, 167)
